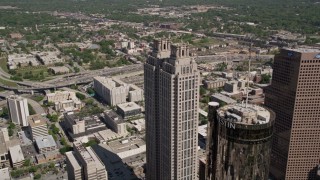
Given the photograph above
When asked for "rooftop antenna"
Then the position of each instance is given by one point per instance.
(248, 76)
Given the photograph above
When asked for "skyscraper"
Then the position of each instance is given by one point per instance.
(239, 142)
(171, 101)
(294, 96)
(18, 108)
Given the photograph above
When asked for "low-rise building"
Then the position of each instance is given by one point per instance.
(49, 156)
(116, 123)
(128, 109)
(64, 101)
(139, 124)
(21, 60)
(125, 148)
(220, 98)
(37, 125)
(16, 156)
(5, 144)
(48, 58)
(80, 126)
(5, 174)
(214, 83)
(45, 144)
(231, 86)
(59, 70)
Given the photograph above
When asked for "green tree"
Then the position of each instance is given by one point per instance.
(202, 90)
(31, 110)
(4, 113)
(53, 117)
(27, 162)
(80, 96)
(37, 176)
(265, 78)
(76, 69)
(90, 90)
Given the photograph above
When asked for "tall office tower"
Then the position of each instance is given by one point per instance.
(18, 108)
(239, 142)
(171, 101)
(84, 164)
(294, 96)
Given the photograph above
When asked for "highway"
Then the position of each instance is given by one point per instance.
(70, 79)
(87, 76)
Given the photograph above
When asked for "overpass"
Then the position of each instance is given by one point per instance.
(71, 79)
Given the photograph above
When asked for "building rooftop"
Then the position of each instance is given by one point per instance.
(224, 98)
(75, 163)
(110, 83)
(88, 155)
(304, 49)
(16, 154)
(4, 174)
(45, 141)
(126, 144)
(114, 116)
(202, 130)
(240, 114)
(129, 106)
(36, 120)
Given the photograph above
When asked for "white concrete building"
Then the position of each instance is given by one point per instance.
(21, 60)
(135, 93)
(18, 108)
(45, 144)
(116, 123)
(112, 90)
(16, 155)
(64, 101)
(73, 167)
(85, 161)
(37, 126)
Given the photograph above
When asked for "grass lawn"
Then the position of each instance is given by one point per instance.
(3, 64)
(33, 73)
(34, 70)
(8, 83)
(205, 42)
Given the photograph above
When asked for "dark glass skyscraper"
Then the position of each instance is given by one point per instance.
(294, 96)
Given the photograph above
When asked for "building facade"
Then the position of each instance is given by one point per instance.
(38, 126)
(171, 100)
(18, 108)
(45, 144)
(112, 90)
(16, 156)
(73, 166)
(239, 142)
(115, 122)
(64, 101)
(84, 164)
(294, 97)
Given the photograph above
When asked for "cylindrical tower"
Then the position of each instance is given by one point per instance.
(240, 142)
